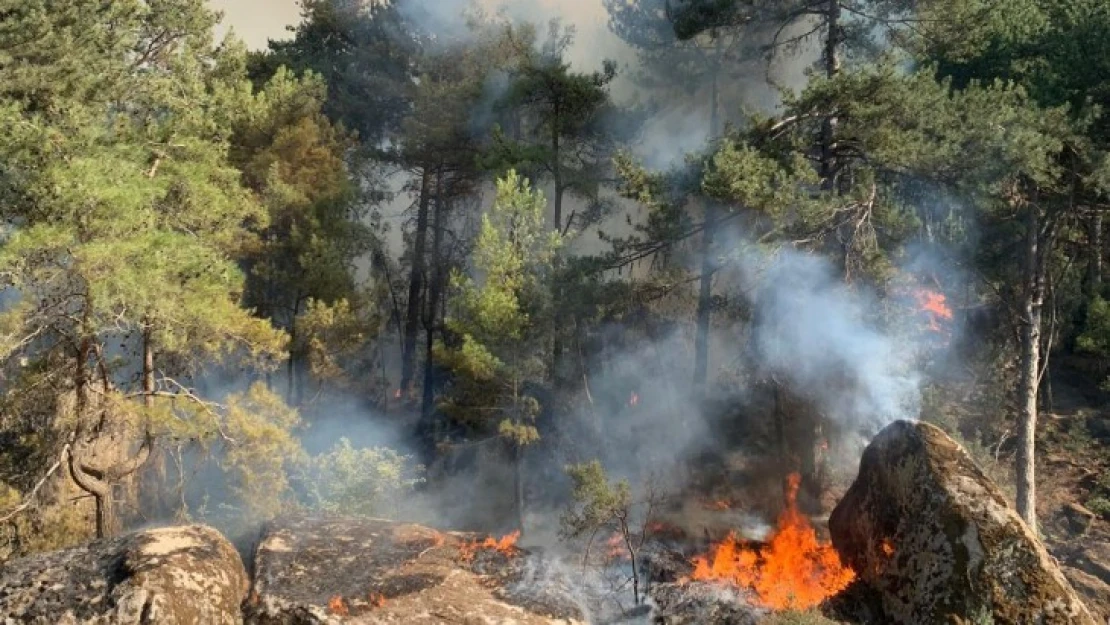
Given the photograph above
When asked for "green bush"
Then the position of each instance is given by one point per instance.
(367, 481)
(1100, 505)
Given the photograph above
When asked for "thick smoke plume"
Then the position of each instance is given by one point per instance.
(821, 337)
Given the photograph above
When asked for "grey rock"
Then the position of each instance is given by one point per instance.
(935, 540)
(189, 575)
(347, 570)
(1077, 517)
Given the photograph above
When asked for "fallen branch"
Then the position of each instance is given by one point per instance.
(34, 491)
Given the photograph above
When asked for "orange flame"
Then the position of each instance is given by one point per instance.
(934, 305)
(792, 571)
(506, 545)
(615, 548)
(720, 504)
(377, 600)
(887, 547)
(664, 530)
(337, 606)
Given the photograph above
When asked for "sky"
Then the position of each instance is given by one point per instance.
(255, 21)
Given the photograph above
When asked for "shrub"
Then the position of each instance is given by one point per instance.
(367, 481)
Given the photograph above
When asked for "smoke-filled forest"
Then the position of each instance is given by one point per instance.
(569, 273)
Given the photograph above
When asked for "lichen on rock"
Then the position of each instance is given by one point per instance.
(933, 539)
(188, 575)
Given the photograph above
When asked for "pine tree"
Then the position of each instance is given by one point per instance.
(499, 320)
(126, 220)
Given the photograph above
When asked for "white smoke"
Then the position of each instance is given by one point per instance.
(822, 336)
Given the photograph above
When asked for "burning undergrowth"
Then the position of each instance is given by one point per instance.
(793, 569)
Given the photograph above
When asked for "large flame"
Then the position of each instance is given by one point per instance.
(934, 305)
(793, 570)
(506, 545)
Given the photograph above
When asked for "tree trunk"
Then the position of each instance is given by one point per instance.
(148, 369)
(291, 366)
(295, 388)
(1031, 309)
(518, 484)
(832, 68)
(705, 286)
(557, 169)
(416, 285)
(1094, 251)
(426, 433)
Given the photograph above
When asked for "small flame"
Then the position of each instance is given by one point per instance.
(665, 530)
(615, 548)
(935, 306)
(377, 600)
(397, 394)
(633, 399)
(792, 571)
(887, 547)
(506, 545)
(720, 504)
(337, 606)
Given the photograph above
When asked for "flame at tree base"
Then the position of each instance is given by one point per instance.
(792, 571)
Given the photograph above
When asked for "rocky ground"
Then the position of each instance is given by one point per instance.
(921, 515)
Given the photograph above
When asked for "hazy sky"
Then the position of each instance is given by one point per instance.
(257, 20)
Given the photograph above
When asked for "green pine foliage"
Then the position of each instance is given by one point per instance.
(499, 315)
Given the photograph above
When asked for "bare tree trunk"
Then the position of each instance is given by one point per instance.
(291, 366)
(1031, 311)
(557, 173)
(518, 484)
(426, 432)
(1094, 251)
(148, 369)
(416, 284)
(832, 68)
(98, 482)
(705, 286)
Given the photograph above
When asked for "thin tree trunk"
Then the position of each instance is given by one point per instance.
(291, 366)
(556, 329)
(832, 68)
(416, 285)
(518, 484)
(427, 409)
(148, 369)
(705, 286)
(1094, 251)
(1031, 309)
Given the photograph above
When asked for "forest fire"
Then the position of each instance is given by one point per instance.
(887, 547)
(793, 570)
(615, 548)
(934, 305)
(338, 607)
(505, 545)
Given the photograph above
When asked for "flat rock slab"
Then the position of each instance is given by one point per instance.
(188, 575)
(698, 603)
(933, 540)
(357, 570)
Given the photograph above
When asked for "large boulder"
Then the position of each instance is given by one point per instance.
(932, 540)
(188, 575)
(345, 570)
